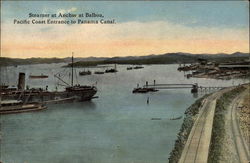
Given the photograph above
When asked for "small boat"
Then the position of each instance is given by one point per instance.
(129, 68)
(155, 118)
(112, 70)
(17, 106)
(144, 90)
(38, 76)
(176, 118)
(189, 76)
(82, 73)
(99, 72)
(138, 67)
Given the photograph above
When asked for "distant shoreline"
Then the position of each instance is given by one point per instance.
(168, 58)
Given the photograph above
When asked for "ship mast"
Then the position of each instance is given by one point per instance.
(72, 70)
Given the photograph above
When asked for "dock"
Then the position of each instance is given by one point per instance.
(194, 87)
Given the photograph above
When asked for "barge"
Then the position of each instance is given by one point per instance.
(17, 106)
(144, 90)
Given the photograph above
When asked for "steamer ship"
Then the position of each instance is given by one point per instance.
(71, 93)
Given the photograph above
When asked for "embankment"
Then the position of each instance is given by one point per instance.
(244, 115)
(219, 149)
(218, 131)
(189, 119)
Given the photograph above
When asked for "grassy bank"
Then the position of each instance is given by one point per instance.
(189, 119)
(244, 115)
(218, 131)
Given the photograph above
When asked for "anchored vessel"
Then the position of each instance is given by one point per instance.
(99, 72)
(112, 70)
(138, 67)
(144, 90)
(71, 93)
(82, 73)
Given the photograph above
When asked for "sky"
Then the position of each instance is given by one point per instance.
(141, 28)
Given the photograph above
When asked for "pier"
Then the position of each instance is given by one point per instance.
(155, 87)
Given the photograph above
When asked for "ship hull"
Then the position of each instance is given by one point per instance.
(50, 97)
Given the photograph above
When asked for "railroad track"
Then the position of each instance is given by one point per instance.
(240, 145)
(197, 146)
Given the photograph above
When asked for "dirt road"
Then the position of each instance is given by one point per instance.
(239, 144)
(197, 146)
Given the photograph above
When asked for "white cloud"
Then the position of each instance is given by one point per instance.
(64, 11)
(175, 36)
(157, 30)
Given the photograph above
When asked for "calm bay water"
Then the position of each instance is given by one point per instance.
(114, 128)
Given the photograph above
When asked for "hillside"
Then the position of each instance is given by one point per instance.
(167, 58)
(17, 61)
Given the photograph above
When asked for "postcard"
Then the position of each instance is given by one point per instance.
(124, 81)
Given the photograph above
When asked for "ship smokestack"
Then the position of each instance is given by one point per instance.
(21, 81)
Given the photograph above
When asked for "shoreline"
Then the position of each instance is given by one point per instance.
(218, 130)
(191, 115)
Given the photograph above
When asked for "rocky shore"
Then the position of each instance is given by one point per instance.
(244, 115)
(189, 119)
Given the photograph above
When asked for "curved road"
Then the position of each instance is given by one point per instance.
(239, 143)
(196, 149)
(197, 146)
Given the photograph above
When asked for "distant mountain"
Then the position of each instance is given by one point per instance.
(167, 58)
(17, 61)
(239, 54)
(77, 59)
